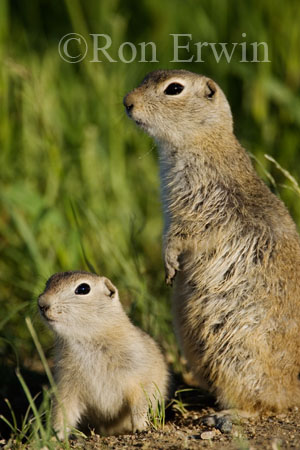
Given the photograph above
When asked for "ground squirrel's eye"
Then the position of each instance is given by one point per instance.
(82, 289)
(174, 89)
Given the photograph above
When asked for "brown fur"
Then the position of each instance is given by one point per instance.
(107, 370)
(232, 243)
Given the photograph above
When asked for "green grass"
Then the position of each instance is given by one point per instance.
(156, 415)
(79, 184)
(35, 430)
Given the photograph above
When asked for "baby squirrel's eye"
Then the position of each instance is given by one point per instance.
(82, 289)
(174, 89)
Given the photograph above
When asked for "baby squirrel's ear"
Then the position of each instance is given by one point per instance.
(210, 89)
(111, 290)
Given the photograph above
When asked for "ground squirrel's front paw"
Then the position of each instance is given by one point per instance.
(171, 265)
(170, 275)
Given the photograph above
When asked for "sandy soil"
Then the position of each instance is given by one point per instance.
(190, 430)
(186, 425)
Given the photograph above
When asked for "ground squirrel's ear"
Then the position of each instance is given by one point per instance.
(111, 289)
(210, 89)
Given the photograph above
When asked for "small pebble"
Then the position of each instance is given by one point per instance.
(224, 424)
(180, 434)
(208, 434)
(209, 421)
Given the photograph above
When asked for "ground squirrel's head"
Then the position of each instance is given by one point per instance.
(178, 107)
(79, 303)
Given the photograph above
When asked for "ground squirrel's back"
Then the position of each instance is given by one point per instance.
(229, 241)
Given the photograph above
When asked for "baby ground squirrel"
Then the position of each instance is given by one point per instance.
(107, 370)
(231, 244)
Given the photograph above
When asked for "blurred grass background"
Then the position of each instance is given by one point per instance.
(79, 182)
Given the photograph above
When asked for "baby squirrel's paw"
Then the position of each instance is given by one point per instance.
(62, 434)
(171, 265)
(139, 422)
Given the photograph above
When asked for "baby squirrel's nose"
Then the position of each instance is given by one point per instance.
(128, 104)
(43, 305)
(44, 308)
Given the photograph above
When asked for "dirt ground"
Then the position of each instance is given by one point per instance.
(189, 430)
(186, 424)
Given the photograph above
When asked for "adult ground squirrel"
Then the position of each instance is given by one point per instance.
(231, 242)
(107, 370)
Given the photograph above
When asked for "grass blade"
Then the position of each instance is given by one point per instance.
(40, 427)
(40, 352)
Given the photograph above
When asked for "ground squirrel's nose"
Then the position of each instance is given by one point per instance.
(128, 104)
